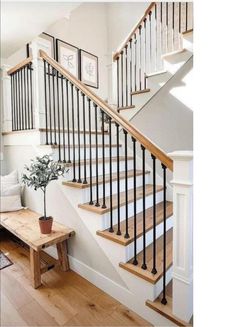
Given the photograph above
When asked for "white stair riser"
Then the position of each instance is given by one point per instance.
(93, 138)
(174, 62)
(86, 192)
(69, 175)
(139, 208)
(87, 152)
(157, 81)
(188, 41)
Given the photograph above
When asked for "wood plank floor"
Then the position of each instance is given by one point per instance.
(64, 299)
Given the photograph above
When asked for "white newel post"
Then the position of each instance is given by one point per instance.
(183, 234)
(6, 99)
(38, 85)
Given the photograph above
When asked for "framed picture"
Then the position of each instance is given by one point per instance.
(89, 69)
(46, 42)
(67, 56)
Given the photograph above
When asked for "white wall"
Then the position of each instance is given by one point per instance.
(167, 119)
(122, 17)
(82, 246)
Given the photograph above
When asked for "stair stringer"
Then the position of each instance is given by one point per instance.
(138, 289)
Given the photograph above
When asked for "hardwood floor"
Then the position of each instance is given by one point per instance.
(64, 299)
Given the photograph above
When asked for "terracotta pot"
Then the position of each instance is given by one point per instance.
(45, 225)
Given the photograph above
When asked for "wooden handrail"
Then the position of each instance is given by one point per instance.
(20, 65)
(147, 11)
(151, 147)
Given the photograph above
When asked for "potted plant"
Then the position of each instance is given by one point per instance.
(38, 175)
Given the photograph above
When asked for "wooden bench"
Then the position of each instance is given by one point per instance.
(24, 224)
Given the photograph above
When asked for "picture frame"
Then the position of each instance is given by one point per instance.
(89, 67)
(46, 43)
(68, 56)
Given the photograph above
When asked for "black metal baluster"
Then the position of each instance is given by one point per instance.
(135, 63)
(135, 262)
(84, 136)
(54, 112)
(58, 113)
(144, 266)
(154, 270)
(45, 96)
(110, 176)
(28, 105)
(63, 118)
(97, 204)
(12, 105)
(164, 300)
(90, 150)
(73, 136)
(126, 184)
(122, 77)
(19, 102)
(68, 132)
(118, 180)
(31, 95)
(118, 91)
(22, 99)
(130, 71)
(16, 102)
(155, 16)
(79, 138)
(140, 59)
(25, 100)
(126, 77)
(49, 100)
(145, 53)
(103, 158)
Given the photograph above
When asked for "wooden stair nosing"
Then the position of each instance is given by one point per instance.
(107, 179)
(125, 108)
(100, 160)
(120, 239)
(166, 310)
(146, 274)
(140, 92)
(139, 195)
(71, 131)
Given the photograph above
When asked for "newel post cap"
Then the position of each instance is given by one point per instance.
(181, 155)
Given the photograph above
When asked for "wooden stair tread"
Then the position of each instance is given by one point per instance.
(55, 146)
(166, 310)
(140, 92)
(125, 108)
(139, 224)
(107, 179)
(93, 161)
(146, 274)
(70, 131)
(139, 195)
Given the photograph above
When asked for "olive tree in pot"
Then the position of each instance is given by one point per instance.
(38, 175)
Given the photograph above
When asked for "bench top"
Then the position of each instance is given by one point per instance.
(24, 224)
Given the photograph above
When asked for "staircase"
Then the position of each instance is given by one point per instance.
(118, 180)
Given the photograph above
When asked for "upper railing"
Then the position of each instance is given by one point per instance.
(158, 32)
(22, 95)
(117, 118)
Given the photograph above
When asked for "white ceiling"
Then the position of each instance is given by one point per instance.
(23, 21)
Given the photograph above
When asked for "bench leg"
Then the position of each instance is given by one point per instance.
(62, 255)
(35, 268)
